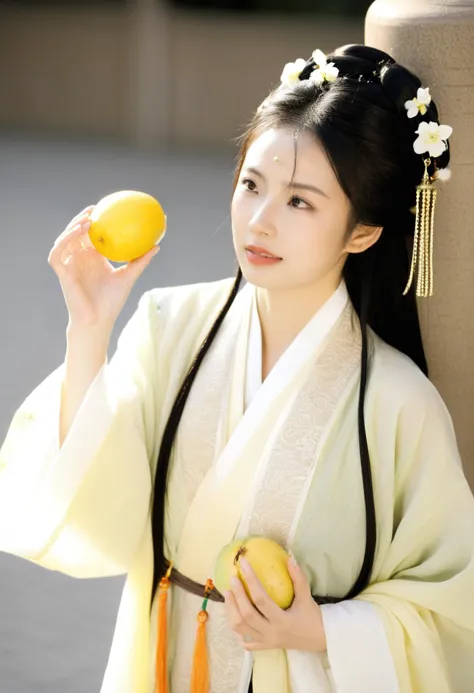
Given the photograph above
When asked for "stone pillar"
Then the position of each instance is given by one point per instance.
(149, 100)
(436, 40)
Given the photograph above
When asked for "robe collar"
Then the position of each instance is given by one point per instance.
(319, 326)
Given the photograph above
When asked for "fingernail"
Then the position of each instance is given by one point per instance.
(227, 595)
(86, 226)
(235, 582)
(245, 565)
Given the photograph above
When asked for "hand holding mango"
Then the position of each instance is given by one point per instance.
(269, 562)
(127, 224)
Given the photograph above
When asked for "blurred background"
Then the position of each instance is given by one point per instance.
(98, 96)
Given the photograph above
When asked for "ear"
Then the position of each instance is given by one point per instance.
(363, 237)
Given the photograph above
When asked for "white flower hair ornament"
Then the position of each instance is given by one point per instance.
(323, 71)
(432, 140)
(419, 103)
(291, 71)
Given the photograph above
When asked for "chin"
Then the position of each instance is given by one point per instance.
(264, 277)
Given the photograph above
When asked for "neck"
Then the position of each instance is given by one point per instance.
(284, 313)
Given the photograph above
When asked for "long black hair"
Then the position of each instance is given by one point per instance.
(361, 122)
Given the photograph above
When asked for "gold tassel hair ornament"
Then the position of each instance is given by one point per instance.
(422, 259)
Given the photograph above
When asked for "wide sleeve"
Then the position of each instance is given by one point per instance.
(358, 649)
(423, 586)
(82, 509)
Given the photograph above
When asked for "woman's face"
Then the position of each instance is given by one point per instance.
(305, 226)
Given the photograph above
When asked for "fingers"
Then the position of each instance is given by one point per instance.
(80, 218)
(74, 240)
(86, 212)
(133, 269)
(236, 621)
(300, 583)
(260, 598)
(147, 256)
(249, 613)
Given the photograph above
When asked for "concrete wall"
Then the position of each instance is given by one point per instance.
(224, 69)
(436, 40)
(148, 74)
(64, 70)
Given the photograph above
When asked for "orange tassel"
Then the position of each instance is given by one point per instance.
(200, 678)
(161, 669)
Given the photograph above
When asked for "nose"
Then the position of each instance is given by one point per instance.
(262, 221)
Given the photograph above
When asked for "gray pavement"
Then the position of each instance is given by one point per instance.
(55, 631)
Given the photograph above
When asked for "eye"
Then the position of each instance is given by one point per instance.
(247, 182)
(296, 202)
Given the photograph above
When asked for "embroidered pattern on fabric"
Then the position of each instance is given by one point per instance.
(197, 438)
(297, 447)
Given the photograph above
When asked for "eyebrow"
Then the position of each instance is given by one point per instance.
(300, 186)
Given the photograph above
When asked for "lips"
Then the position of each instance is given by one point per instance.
(263, 252)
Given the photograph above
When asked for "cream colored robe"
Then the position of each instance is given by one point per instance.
(84, 509)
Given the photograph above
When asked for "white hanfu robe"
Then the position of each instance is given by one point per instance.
(286, 466)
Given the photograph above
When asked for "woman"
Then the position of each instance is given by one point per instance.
(297, 408)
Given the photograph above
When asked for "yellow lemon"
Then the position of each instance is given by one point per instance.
(127, 224)
(269, 562)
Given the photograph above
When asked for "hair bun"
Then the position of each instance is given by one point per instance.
(398, 83)
(357, 60)
(401, 86)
